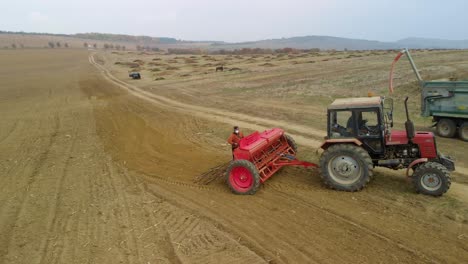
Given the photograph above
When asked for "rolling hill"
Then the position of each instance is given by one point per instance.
(40, 40)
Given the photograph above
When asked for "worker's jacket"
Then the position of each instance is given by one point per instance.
(234, 138)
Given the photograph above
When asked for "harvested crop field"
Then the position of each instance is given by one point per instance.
(98, 168)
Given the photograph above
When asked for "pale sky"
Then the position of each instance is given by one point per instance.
(242, 20)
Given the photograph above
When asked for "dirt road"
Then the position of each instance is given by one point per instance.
(95, 172)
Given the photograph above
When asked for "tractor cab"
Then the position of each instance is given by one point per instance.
(359, 139)
(367, 119)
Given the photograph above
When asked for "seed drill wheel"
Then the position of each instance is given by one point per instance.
(446, 128)
(291, 142)
(431, 178)
(345, 167)
(242, 177)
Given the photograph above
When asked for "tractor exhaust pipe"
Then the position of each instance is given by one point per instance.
(409, 125)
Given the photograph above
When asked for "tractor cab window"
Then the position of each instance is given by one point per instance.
(368, 122)
(341, 124)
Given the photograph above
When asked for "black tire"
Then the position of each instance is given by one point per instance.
(349, 158)
(446, 128)
(242, 168)
(463, 131)
(291, 142)
(431, 178)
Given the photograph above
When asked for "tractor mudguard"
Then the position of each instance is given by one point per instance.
(421, 160)
(328, 142)
(447, 162)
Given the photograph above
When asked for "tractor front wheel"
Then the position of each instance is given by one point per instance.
(446, 128)
(346, 167)
(242, 177)
(463, 131)
(431, 178)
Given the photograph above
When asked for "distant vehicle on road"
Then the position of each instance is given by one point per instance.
(135, 75)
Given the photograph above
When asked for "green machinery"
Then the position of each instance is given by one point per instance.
(445, 101)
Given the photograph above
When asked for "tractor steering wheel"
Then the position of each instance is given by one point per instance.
(370, 131)
(364, 128)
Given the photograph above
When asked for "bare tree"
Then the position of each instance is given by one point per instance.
(124, 48)
(66, 45)
(13, 45)
(95, 45)
(58, 44)
(85, 44)
(51, 45)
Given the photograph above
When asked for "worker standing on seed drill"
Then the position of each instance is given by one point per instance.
(235, 137)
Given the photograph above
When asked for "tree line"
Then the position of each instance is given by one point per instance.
(57, 44)
(50, 44)
(243, 51)
(105, 46)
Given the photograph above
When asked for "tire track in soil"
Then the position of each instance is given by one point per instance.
(180, 228)
(193, 239)
(296, 199)
(258, 242)
(189, 235)
(62, 237)
(130, 240)
(26, 148)
(10, 132)
(38, 164)
(56, 225)
(17, 158)
(348, 221)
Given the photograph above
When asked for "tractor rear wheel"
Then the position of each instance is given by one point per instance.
(431, 178)
(242, 177)
(346, 167)
(291, 142)
(463, 131)
(446, 128)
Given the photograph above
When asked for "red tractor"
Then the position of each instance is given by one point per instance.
(359, 138)
(258, 157)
